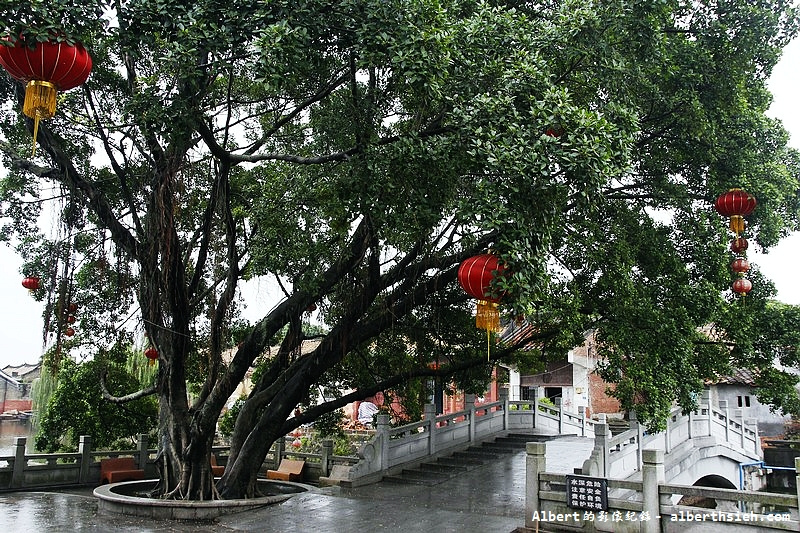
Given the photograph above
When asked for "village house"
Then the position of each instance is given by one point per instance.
(16, 382)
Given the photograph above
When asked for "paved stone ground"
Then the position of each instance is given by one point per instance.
(488, 499)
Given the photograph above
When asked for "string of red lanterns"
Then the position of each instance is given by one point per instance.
(737, 204)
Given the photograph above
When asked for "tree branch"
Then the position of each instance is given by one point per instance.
(123, 399)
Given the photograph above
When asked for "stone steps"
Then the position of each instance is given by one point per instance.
(434, 472)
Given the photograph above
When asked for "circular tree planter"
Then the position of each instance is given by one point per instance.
(128, 498)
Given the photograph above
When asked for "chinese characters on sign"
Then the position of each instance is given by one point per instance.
(588, 493)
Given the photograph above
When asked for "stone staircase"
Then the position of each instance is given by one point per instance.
(444, 468)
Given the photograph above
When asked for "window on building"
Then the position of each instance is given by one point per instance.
(525, 393)
(747, 401)
(739, 401)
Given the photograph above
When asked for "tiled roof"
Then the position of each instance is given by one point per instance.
(740, 376)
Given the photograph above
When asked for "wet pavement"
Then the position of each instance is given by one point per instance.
(490, 498)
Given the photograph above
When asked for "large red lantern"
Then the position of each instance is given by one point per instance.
(47, 67)
(742, 286)
(151, 354)
(32, 283)
(735, 204)
(69, 332)
(475, 276)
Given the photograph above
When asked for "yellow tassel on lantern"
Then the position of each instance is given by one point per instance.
(40, 103)
(737, 224)
(488, 316)
(488, 319)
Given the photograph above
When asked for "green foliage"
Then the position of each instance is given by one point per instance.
(357, 151)
(227, 421)
(77, 408)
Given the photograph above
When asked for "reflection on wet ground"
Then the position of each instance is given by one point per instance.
(490, 498)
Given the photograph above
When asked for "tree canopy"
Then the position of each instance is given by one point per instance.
(357, 151)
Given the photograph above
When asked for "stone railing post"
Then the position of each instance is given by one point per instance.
(382, 425)
(560, 409)
(327, 457)
(85, 449)
(652, 476)
(503, 397)
(144, 454)
(597, 463)
(534, 465)
(668, 435)
(18, 473)
(739, 414)
(429, 411)
(279, 446)
(752, 424)
(723, 406)
(638, 427)
(469, 406)
(797, 475)
(535, 397)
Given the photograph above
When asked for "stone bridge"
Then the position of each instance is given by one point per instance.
(707, 446)
(710, 446)
(393, 450)
(701, 475)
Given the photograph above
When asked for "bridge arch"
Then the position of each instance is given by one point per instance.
(714, 481)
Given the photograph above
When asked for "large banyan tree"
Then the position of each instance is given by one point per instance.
(355, 152)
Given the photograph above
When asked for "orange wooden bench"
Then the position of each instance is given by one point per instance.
(119, 469)
(288, 470)
(216, 470)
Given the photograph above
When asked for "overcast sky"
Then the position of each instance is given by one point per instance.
(21, 315)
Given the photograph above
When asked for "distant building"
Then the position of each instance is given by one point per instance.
(15, 387)
(738, 391)
(571, 381)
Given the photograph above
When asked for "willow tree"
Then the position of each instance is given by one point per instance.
(357, 151)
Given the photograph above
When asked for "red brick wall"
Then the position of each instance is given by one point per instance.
(599, 400)
(19, 405)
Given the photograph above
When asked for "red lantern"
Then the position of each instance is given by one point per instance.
(555, 131)
(739, 245)
(735, 202)
(72, 308)
(70, 319)
(740, 265)
(475, 276)
(31, 283)
(742, 286)
(47, 68)
(69, 332)
(151, 354)
(297, 443)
